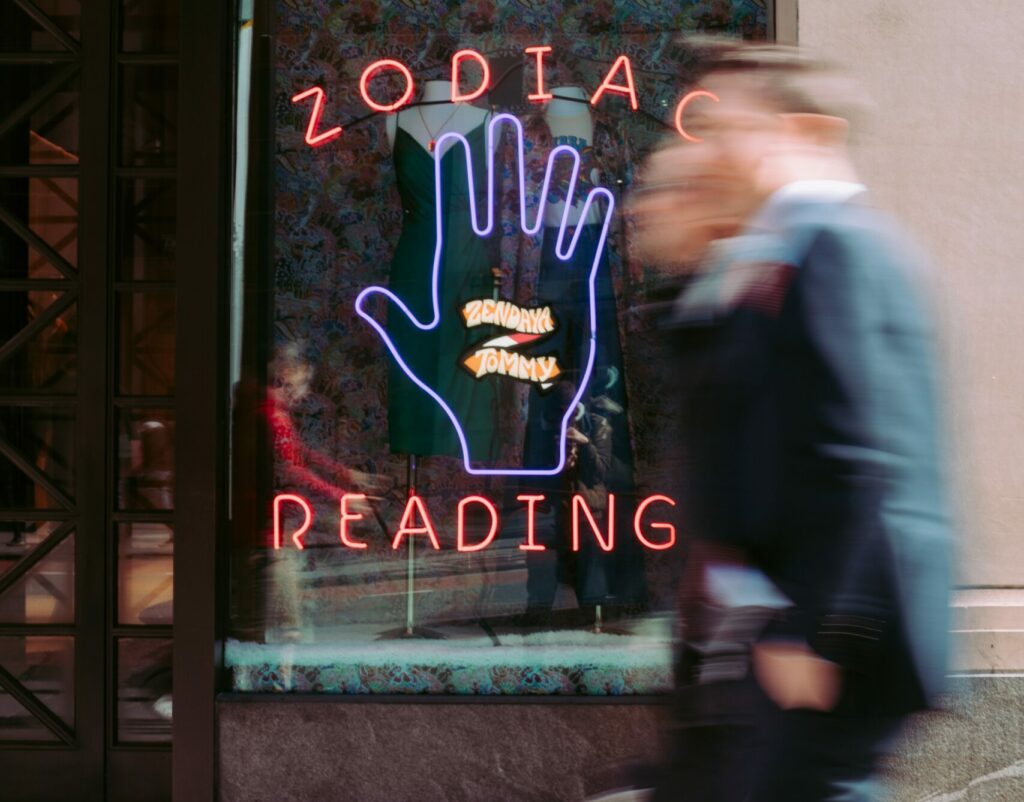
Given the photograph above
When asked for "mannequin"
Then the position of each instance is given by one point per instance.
(415, 427)
(600, 428)
(428, 122)
(571, 124)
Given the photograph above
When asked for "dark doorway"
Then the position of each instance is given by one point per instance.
(88, 269)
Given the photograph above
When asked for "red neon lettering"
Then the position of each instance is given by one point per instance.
(306, 523)
(485, 82)
(540, 95)
(671, 529)
(347, 516)
(530, 545)
(312, 138)
(683, 104)
(412, 506)
(578, 503)
(491, 509)
(377, 66)
(627, 88)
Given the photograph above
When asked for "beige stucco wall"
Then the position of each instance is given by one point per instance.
(945, 151)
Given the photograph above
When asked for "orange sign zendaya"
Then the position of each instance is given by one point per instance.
(293, 517)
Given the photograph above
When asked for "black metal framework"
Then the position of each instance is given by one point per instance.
(86, 354)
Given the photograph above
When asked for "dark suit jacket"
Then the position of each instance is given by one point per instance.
(810, 403)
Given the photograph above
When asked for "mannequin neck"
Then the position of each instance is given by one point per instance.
(575, 92)
(434, 91)
(568, 108)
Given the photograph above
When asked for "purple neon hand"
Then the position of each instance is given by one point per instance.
(563, 251)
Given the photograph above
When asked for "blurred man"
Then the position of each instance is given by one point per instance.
(811, 416)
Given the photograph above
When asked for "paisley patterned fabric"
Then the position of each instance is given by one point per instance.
(599, 669)
(574, 679)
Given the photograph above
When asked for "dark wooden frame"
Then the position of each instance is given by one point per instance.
(204, 167)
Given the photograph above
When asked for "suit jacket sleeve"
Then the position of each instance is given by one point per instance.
(863, 400)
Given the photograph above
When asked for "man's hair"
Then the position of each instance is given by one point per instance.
(792, 80)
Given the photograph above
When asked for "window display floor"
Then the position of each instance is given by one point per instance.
(467, 661)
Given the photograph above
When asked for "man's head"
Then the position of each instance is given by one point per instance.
(781, 115)
(777, 116)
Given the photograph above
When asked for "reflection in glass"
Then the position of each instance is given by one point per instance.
(48, 134)
(146, 229)
(144, 690)
(149, 26)
(45, 323)
(145, 573)
(149, 113)
(37, 449)
(20, 33)
(45, 594)
(39, 214)
(146, 336)
(146, 459)
(44, 666)
(20, 538)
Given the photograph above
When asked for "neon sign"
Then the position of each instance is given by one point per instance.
(314, 139)
(416, 521)
(628, 89)
(539, 51)
(497, 356)
(563, 252)
(686, 102)
(608, 85)
(373, 69)
(485, 82)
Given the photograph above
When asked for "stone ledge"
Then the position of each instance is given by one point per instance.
(988, 630)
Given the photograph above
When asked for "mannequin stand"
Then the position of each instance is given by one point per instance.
(410, 630)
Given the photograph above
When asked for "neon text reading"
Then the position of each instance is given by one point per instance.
(416, 520)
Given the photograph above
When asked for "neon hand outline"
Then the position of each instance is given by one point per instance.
(561, 252)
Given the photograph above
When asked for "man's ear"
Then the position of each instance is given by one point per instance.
(821, 129)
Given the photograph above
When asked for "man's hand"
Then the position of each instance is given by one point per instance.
(793, 676)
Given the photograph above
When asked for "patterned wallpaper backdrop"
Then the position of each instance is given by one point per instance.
(337, 214)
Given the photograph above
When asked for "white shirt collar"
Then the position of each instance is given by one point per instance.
(818, 190)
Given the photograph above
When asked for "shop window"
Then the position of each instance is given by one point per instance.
(452, 463)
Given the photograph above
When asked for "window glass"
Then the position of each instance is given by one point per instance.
(451, 452)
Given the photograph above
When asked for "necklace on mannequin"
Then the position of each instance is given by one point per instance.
(433, 136)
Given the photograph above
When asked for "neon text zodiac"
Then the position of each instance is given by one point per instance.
(618, 81)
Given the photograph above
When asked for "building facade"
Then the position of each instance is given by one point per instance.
(329, 394)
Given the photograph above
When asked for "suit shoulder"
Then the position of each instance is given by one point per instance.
(861, 237)
(864, 253)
